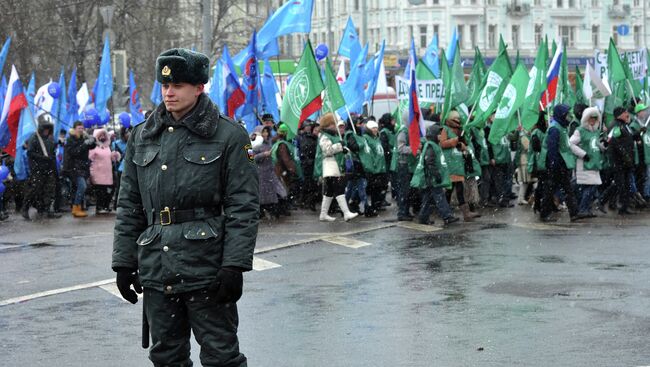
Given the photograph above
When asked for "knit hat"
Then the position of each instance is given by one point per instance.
(619, 111)
(180, 65)
(283, 129)
(560, 113)
(640, 107)
(372, 124)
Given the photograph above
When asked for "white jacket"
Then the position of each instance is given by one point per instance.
(584, 177)
(330, 167)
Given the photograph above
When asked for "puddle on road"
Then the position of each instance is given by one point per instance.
(438, 240)
(9, 246)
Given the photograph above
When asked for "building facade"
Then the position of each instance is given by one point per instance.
(583, 25)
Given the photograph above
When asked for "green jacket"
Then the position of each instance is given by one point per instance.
(378, 162)
(203, 163)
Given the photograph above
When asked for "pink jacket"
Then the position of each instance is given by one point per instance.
(101, 158)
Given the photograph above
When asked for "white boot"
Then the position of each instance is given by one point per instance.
(522, 194)
(324, 208)
(347, 214)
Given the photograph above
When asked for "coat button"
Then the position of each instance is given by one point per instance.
(202, 158)
(170, 129)
(165, 248)
(164, 167)
(168, 288)
(202, 233)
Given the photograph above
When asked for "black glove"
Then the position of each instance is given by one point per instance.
(126, 278)
(228, 285)
(644, 129)
(346, 150)
(586, 158)
(459, 146)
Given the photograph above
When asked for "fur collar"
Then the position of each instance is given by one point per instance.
(201, 120)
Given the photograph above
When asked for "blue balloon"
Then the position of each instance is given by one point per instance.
(2, 187)
(90, 117)
(54, 90)
(125, 119)
(4, 172)
(321, 51)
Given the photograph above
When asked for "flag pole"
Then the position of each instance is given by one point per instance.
(351, 123)
(38, 136)
(277, 58)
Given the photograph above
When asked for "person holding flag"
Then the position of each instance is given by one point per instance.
(42, 163)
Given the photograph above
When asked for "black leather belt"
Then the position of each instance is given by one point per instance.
(169, 216)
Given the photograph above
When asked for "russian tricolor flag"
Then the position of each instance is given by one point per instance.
(552, 77)
(14, 102)
(416, 123)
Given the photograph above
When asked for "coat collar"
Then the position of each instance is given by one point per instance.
(202, 120)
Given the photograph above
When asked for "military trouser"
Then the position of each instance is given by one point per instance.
(214, 325)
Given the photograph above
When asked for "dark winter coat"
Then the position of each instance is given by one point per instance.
(75, 155)
(202, 164)
(621, 146)
(38, 162)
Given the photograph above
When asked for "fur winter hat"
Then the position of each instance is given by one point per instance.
(180, 65)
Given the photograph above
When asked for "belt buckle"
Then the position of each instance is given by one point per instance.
(165, 217)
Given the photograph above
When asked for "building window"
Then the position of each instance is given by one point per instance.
(616, 2)
(492, 36)
(411, 35)
(637, 2)
(515, 37)
(559, 3)
(572, 3)
(595, 36)
(456, 2)
(568, 35)
(423, 36)
(436, 2)
(356, 5)
(539, 34)
(638, 36)
(595, 3)
(436, 29)
(537, 2)
(491, 2)
(461, 31)
(473, 35)
(614, 34)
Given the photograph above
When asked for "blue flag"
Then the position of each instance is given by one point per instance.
(3, 54)
(26, 127)
(431, 58)
(350, 44)
(156, 93)
(104, 81)
(452, 47)
(372, 84)
(3, 91)
(60, 112)
(250, 78)
(135, 108)
(216, 86)
(73, 106)
(269, 92)
(292, 17)
(413, 61)
(352, 89)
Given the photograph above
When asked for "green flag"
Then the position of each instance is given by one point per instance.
(513, 97)
(302, 97)
(536, 86)
(553, 47)
(504, 48)
(458, 91)
(567, 95)
(494, 83)
(333, 98)
(580, 96)
(422, 72)
(632, 83)
(475, 78)
(445, 75)
(615, 67)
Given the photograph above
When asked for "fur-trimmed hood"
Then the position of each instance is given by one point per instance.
(201, 120)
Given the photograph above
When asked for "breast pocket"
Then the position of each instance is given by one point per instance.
(203, 162)
(143, 158)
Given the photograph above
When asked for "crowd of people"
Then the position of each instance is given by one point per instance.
(569, 160)
(69, 173)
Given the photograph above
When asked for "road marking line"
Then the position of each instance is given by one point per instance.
(540, 226)
(347, 242)
(112, 289)
(261, 264)
(419, 227)
(52, 292)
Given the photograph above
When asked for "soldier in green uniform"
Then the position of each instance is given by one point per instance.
(187, 218)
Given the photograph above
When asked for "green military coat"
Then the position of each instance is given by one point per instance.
(202, 163)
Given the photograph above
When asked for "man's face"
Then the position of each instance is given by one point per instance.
(625, 117)
(79, 129)
(179, 98)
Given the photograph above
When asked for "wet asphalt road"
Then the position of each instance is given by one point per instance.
(503, 291)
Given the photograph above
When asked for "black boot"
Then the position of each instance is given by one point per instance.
(25, 212)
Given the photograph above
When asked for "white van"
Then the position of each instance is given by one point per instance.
(383, 103)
